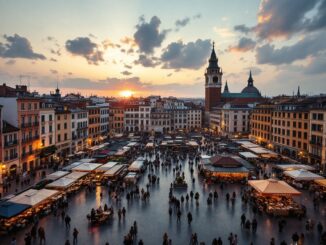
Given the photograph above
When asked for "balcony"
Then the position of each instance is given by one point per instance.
(11, 157)
(30, 139)
(30, 124)
(29, 153)
(8, 144)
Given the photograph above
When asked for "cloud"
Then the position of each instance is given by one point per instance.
(192, 55)
(127, 66)
(317, 65)
(244, 45)
(83, 46)
(284, 18)
(129, 41)
(126, 73)
(53, 60)
(242, 28)
(18, 47)
(148, 35)
(182, 22)
(147, 61)
(53, 71)
(309, 46)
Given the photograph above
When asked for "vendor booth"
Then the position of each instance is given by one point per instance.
(86, 167)
(275, 197)
(56, 175)
(105, 167)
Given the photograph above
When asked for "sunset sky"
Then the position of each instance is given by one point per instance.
(161, 47)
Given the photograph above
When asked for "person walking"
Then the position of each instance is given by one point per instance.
(189, 218)
(67, 221)
(41, 235)
(75, 236)
(178, 215)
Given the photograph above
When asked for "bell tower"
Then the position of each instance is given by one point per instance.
(213, 82)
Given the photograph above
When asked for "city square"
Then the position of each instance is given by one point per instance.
(210, 221)
(163, 122)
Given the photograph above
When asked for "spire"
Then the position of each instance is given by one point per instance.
(57, 91)
(213, 59)
(250, 80)
(298, 93)
(226, 88)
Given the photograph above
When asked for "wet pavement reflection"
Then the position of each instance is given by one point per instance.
(153, 220)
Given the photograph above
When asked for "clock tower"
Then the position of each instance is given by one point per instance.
(213, 83)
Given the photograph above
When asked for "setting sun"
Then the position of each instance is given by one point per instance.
(126, 93)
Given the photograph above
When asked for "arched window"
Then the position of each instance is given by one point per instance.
(215, 79)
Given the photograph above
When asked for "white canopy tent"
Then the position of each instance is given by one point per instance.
(247, 154)
(87, 167)
(61, 183)
(273, 187)
(71, 166)
(56, 175)
(106, 166)
(149, 145)
(87, 160)
(33, 197)
(76, 175)
(247, 144)
(260, 150)
(115, 170)
(302, 174)
(290, 167)
(136, 166)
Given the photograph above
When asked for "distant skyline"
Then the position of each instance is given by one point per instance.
(162, 48)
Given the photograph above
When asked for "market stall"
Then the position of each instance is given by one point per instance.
(56, 175)
(301, 178)
(105, 167)
(137, 166)
(87, 167)
(131, 178)
(61, 184)
(115, 172)
(248, 155)
(224, 168)
(71, 166)
(10, 209)
(33, 197)
(275, 197)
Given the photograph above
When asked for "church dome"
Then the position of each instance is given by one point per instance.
(251, 89)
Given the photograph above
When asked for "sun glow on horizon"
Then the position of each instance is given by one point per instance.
(126, 93)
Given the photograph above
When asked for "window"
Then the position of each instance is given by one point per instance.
(43, 130)
(50, 118)
(58, 126)
(65, 125)
(43, 118)
(66, 136)
(22, 106)
(59, 138)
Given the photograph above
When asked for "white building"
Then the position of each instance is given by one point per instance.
(79, 129)
(104, 119)
(47, 127)
(194, 118)
(235, 119)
